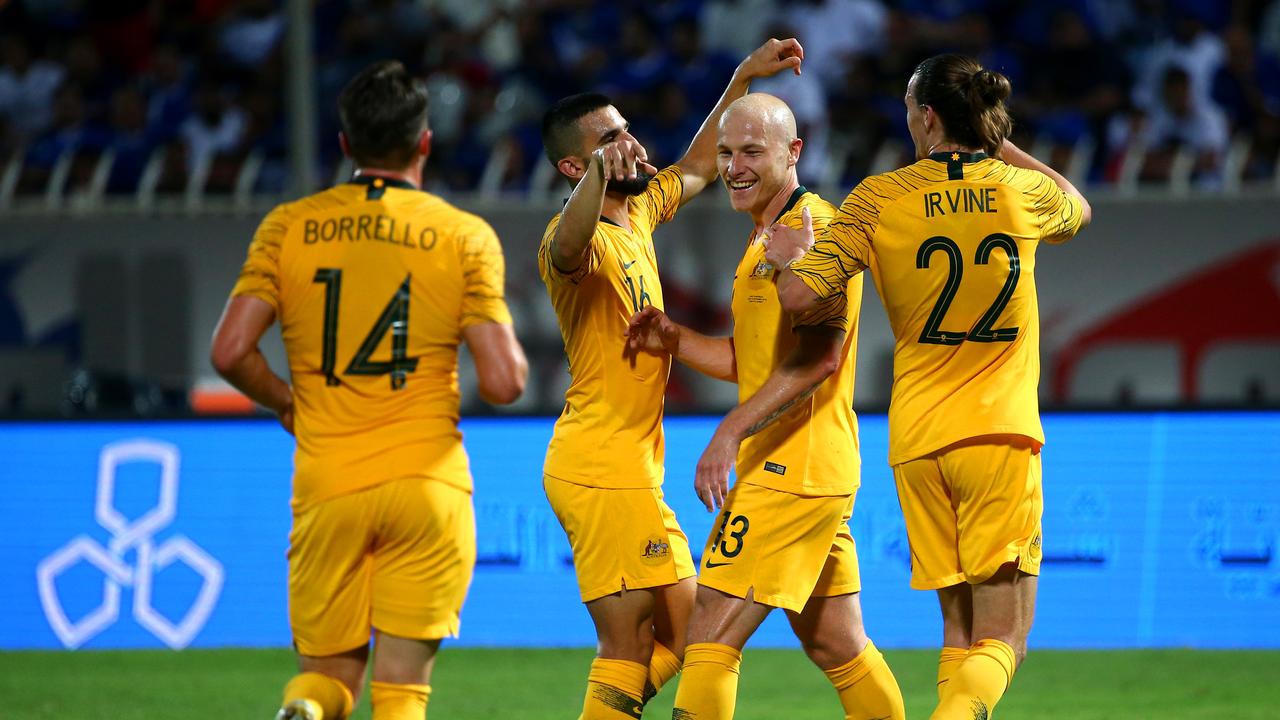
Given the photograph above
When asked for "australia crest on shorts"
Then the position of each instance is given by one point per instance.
(656, 550)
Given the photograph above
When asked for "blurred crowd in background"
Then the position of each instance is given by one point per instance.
(186, 82)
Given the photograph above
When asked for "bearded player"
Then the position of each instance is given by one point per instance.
(604, 467)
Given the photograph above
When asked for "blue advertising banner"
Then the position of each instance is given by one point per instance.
(1160, 529)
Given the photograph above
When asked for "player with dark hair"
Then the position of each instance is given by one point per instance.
(951, 242)
(783, 539)
(375, 283)
(603, 472)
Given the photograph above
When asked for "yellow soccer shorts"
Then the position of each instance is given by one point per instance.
(397, 557)
(621, 538)
(786, 548)
(971, 508)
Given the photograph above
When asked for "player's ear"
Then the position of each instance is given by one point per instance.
(342, 142)
(928, 119)
(797, 145)
(571, 167)
(424, 143)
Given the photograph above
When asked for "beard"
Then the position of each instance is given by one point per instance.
(635, 186)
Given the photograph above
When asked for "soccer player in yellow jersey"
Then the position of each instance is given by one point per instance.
(951, 242)
(375, 283)
(603, 472)
(782, 538)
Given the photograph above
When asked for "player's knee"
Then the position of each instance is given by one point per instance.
(828, 650)
(1020, 652)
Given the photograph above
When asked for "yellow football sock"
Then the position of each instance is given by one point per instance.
(393, 701)
(867, 687)
(615, 690)
(948, 661)
(328, 694)
(708, 683)
(978, 683)
(662, 667)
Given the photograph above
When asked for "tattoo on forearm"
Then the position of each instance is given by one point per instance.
(773, 416)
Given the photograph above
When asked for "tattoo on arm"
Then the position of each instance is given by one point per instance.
(773, 416)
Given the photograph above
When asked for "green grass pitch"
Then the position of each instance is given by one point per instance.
(537, 684)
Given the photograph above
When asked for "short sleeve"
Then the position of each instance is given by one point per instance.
(590, 262)
(484, 278)
(662, 198)
(831, 311)
(843, 248)
(260, 274)
(1060, 214)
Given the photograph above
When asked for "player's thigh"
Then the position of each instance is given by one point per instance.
(622, 539)
(1004, 607)
(772, 544)
(931, 523)
(624, 624)
(330, 575)
(672, 608)
(725, 619)
(996, 487)
(423, 559)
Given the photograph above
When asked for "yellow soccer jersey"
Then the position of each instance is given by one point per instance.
(951, 241)
(813, 448)
(373, 282)
(610, 432)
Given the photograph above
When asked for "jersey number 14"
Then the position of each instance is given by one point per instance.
(394, 319)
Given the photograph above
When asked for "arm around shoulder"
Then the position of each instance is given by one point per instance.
(1018, 157)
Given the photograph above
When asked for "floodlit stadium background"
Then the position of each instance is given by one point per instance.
(140, 143)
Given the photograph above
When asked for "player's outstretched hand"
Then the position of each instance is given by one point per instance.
(711, 481)
(773, 57)
(651, 331)
(621, 159)
(785, 245)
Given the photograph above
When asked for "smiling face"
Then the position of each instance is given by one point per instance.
(756, 154)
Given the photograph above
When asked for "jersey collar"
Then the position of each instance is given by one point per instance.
(378, 185)
(791, 201)
(955, 161)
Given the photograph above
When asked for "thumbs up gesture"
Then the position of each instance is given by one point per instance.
(785, 244)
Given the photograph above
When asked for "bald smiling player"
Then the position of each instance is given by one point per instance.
(782, 539)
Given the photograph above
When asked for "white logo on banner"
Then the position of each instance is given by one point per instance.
(137, 535)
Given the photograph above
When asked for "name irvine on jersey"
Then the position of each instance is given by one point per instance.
(968, 200)
(382, 228)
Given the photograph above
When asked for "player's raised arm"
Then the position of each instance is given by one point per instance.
(619, 160)
(650, 330)
(236, 357)
(1018, 157)
(699, 162)
(816, 356)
